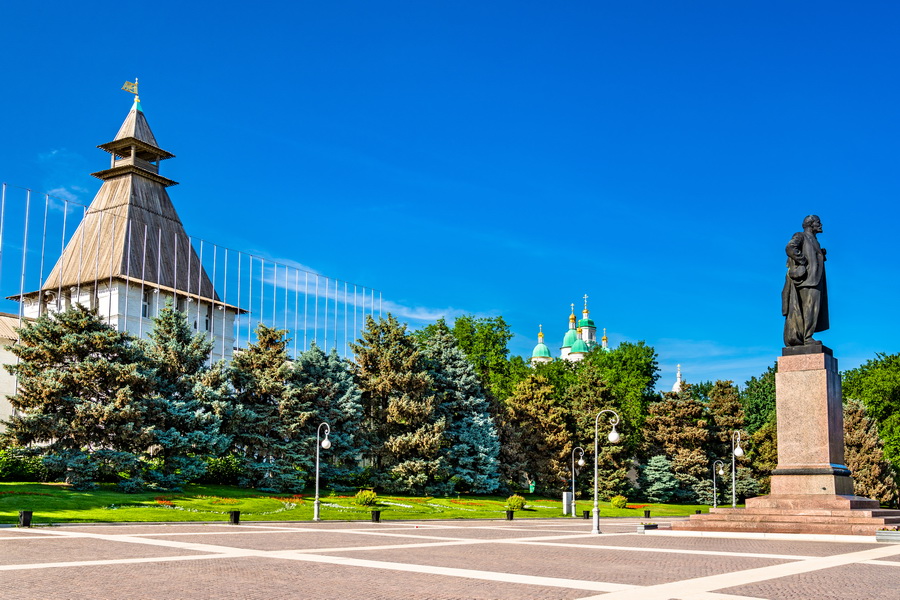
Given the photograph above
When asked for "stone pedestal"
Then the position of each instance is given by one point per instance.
(812, 490)
(810, 427)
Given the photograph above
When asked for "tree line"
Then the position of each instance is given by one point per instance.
(444, 409)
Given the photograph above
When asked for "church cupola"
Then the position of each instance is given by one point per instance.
(571, 335)
(541, 353)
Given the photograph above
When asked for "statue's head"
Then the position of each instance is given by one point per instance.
(812, 221)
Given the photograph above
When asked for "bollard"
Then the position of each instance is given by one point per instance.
(376, 516)
(585, 514)
(234, 517)
(24, 518)
(646, 513)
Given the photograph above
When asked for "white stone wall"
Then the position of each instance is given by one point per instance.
(7, 381)
(123, 307)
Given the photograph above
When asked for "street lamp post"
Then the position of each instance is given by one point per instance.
(580, 464)
(326, 444)
(613, 438)
(736, 452)
(721, 472)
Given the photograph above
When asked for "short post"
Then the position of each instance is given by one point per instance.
(234, 517)
(25, 518)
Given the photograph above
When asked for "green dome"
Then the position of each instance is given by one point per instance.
(586, 323)
(579, 346)
(571, 336)
(541, 351)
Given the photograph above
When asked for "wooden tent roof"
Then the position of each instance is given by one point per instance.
(136, 126)
(132, 232)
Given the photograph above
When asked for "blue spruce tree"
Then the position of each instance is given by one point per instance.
(185, 424)
(325, 386)
(264, 412)
(472, 445)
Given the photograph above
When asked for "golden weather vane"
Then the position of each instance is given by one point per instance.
(131, 87)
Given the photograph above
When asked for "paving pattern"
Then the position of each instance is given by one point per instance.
(522, 559)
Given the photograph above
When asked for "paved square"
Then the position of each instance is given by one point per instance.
(544, 558)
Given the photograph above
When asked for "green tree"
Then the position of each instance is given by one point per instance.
(877, 384)
(726, 415)
(585, 397)
(762, 453)
(538, 414)
(758, 399)
(271, 457)
(183, 419)
(630, 372)
(81, 397)
(325, 383)
(873, 475)
(404, 434)
(484, 341)
(472, 445)
(677, 428)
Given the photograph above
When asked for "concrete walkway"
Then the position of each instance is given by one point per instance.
(436, 560)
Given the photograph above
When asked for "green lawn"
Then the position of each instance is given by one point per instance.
(56, 503)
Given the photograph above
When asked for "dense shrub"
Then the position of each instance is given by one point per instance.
(223, 470)
(515, 502)
(17, 464)
(365, 498)
(618, 501)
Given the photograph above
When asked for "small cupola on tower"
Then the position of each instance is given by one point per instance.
(587, 326)
(571, 334)
(677, 387)
(541, 353)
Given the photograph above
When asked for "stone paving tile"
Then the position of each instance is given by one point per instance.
(633, 568)
(849, 582)
(259, 579)
(757, 546)
(43, 550)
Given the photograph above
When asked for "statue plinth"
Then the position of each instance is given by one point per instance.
(810, 426)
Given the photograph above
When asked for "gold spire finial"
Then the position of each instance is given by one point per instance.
(585, 302)
(132, 88)
(604, 338)
(540, 334)
(572, 316)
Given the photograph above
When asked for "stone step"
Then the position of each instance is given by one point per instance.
(779, 527)
(755, 517)
(812, 512)
(801, 502)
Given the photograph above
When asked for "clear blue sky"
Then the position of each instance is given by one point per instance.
(504, 158)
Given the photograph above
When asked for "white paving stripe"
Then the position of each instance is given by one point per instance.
(689, 589)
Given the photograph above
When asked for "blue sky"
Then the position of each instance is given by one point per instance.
(504, 158)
